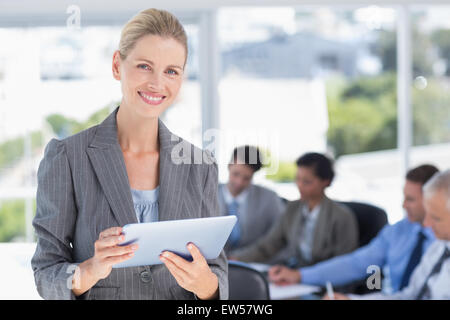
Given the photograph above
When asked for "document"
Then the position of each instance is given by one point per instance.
(291, 291)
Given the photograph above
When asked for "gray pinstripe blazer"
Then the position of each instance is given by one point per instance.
(83, 189)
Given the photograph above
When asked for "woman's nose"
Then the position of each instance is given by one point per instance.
(155, 81)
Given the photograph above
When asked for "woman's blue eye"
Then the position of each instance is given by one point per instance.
(172, 72)
(143, 66)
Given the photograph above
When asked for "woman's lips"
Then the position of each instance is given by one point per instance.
(152, 98)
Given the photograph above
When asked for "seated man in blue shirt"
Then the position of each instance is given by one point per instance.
(397, 248)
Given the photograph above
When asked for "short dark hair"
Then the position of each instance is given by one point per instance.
(321, 165)
(421, 174)
(248, 155)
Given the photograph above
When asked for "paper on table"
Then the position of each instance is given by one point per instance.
(290, 291)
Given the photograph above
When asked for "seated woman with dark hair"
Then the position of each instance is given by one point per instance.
(313, 228)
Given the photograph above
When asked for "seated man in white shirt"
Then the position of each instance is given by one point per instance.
(431, 278)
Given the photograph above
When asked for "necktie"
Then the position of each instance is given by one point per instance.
(413, 260)
(235, 233)
(424, 292)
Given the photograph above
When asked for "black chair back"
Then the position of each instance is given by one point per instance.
(246, 283)
(371, 220)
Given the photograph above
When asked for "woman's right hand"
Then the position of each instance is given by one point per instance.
(108, 252)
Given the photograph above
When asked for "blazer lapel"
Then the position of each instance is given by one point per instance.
(173, 175)
(222, 203)
(321, 228)
(296, 227)
(251, 212)
(109, 165)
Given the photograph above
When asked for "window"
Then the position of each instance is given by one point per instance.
(431, 86)
(318, 79)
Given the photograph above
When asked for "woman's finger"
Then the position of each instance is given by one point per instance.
(179, 274)
(114, 231)
(195, 252)
(118, 259)
(109, 241)
(117, 250)
(177, 260)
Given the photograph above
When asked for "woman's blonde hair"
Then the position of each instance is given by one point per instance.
(151, 22)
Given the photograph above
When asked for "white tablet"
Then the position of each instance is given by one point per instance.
(208, 234)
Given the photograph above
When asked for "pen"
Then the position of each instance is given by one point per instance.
(330, 291)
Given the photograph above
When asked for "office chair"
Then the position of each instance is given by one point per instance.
(371, 220)
(246, 283)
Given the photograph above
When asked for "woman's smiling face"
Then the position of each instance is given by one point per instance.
(151, 75)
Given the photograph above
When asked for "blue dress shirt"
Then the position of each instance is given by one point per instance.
(432, 274)
(146, 204)
(390, 250)
(241, 201)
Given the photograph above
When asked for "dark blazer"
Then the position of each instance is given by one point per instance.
(83, 189)
(335, 233)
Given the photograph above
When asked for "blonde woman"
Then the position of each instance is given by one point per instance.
(123, 171)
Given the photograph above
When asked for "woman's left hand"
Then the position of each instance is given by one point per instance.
(195, 276)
